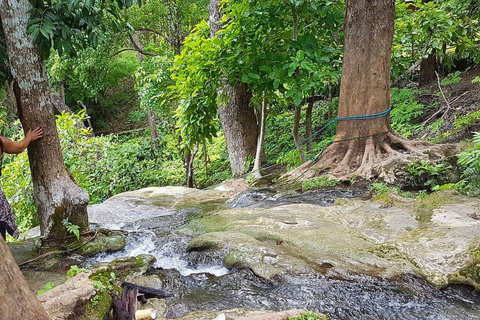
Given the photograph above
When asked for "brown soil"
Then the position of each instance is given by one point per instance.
(463, 97)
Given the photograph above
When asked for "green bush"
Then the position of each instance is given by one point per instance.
(309, 316)
(108, 165)
(406, 111)
(452, 78)
(321, 182)
(469, 162)
(426, 174)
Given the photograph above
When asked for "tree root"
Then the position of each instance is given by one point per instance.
(375, 157)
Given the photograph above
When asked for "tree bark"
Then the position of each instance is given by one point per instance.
(17, 301)
(367, 148)
(237, 116)
(56, 195)
(152, 125)
(365, 84)
(296, 135)
(428, 67)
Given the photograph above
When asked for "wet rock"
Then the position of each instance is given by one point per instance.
(433, 237)
(23, 250)
(243, 314)
(284, 315)
(127, 209)
(103, 243)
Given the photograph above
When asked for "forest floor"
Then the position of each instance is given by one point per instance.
(458, 100)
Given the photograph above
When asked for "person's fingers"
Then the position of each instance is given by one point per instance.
(36, 133)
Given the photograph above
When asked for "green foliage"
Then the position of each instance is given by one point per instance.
(476, 80)
(103, 282)
(309, 316)
(71, 228)
(74, 270)
(284, 51)
(469, 161)
(48, 286)
(153, 84)
(321, 182)
(464, 122)
(67, 25)
(382, 188)
(426, 173)
(446, 28)
(452, 78)
(406, 111)
(197, 77)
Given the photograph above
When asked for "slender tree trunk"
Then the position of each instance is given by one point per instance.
(261, 138)
(17, 301)
(308, 126)
(296, 135)
(152, 125)
(237, 116)
(56, 195)
(428, 67)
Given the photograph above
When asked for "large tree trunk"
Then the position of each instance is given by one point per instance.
(365, 84)
(56, 195)
(17, 301)
(237, 116)
(367, 148)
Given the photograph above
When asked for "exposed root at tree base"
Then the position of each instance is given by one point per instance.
(382, 156)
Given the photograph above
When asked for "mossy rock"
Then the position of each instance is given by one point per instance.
(471, 273)
(103, 243)
(241, 259)
(99, 307)
(131, 265)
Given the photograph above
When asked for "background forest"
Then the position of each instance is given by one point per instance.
(138, 96)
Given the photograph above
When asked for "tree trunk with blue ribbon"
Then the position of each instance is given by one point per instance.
(365, 145)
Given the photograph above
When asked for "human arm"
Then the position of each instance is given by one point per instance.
(18, 147)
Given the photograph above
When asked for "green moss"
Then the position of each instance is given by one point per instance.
(425, 207)
(240, 260)
(99, 307)
(206, 224)
(103, 243)
(391, 199)
(470, 274)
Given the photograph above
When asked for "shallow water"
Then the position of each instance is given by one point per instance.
(200, 282)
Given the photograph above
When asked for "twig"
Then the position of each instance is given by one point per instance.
(443, 95)
(448, 107)
(441, 109)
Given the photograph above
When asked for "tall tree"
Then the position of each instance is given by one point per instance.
(237, 115)
(56, 195)
(367, 147)
(17, 301)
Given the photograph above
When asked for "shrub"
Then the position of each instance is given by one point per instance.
(406, 111)
(321, 182)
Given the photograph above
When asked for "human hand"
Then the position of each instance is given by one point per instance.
(34, 134)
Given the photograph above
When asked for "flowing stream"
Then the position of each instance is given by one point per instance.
(200, 282)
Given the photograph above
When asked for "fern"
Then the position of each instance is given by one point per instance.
(71, 228)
